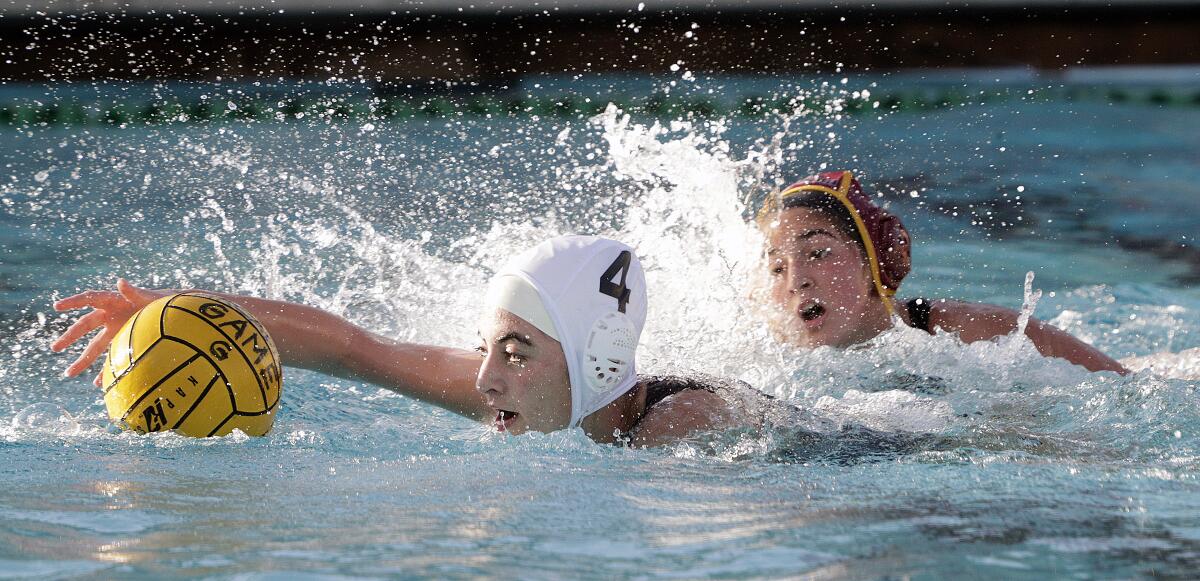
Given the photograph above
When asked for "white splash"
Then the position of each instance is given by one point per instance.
(1028, 304)
(889, 410)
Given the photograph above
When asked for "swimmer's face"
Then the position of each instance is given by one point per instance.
(821, 291)
(523, 376)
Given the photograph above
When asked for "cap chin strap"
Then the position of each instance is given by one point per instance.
(842, 194)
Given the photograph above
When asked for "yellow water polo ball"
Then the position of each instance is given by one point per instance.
(193, 363)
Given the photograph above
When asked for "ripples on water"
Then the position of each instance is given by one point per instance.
(1029, 467)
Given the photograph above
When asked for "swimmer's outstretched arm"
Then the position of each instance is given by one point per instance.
(979, 322)
(308, 338)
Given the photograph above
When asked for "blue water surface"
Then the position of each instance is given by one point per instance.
(1040, 469)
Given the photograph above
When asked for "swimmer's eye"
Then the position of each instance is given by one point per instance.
(819, 253)
(512, 358)
(777, 269)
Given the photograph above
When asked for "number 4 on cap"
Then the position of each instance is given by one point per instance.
(612, 289)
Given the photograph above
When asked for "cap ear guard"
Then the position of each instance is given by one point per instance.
(609, 351)
(895, 251)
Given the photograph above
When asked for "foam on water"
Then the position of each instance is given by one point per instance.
(398, 229)
(675, 191)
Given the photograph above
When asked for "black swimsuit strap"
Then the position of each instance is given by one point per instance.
(660, 387)
(918, 313)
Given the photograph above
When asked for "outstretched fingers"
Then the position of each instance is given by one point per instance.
(92, 352)
(86, 324)
(92, 298)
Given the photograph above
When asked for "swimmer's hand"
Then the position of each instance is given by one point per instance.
(110, 310)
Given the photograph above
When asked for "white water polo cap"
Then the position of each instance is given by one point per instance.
(588, 293)
(514, 294)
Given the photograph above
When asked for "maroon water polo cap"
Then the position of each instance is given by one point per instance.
(884, 237)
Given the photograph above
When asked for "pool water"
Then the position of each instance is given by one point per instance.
(1041, 469)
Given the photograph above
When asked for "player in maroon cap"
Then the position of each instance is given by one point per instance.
(836, 260)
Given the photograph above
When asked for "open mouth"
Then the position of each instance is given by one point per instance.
(812, 312)
(504, 419)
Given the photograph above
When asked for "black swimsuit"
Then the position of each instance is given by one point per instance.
(845, 442)
(918, 314)
(801, 435)
(660, 387)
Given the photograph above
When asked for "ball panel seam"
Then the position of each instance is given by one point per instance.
(132, 364)
(262, 389)
(216, 367)
(221, 425)
(154, 387)
(199, 399)
(258, 326)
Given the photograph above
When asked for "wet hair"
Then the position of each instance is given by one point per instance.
(827, 206)
(882, 239)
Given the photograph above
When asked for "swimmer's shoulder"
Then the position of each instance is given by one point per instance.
(679, 406)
